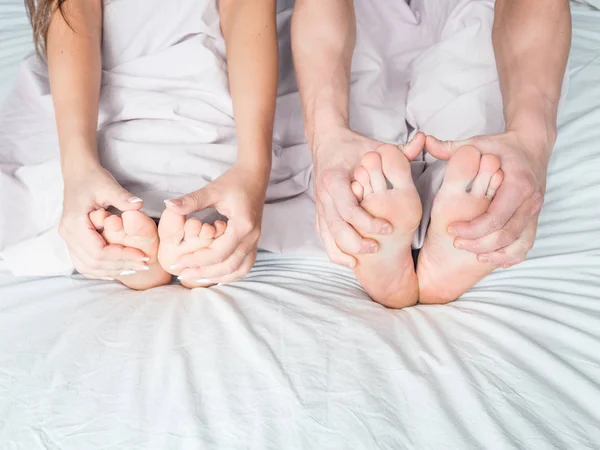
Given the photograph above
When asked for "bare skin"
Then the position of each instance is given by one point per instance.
(179, 237)
(470, 184)
(443, 272)
(133, 229)
(389, 275)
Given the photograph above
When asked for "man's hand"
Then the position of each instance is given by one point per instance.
(340, 219)
(505, 233)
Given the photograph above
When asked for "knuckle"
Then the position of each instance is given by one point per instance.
(246, 226)
(328, 179)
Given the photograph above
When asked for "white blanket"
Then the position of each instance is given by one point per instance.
(297, 357)
(166, 123)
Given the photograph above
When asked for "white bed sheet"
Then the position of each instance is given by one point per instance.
(297, 357)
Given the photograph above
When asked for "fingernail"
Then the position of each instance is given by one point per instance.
(203, 281)
(127, 272)
(135, 200)
(484, 259)
(145, 259)
(174, 202)
(142, 268)
(107, 279)
(387, 229)
(176, 266)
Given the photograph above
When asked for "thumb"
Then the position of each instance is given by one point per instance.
(190, 203)
(120, 198)
(414, 148)
(443, 149)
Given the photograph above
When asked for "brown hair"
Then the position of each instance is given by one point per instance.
(40, 12)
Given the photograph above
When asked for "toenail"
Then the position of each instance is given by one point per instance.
(127, 272)
(144, 259)
(459, 245)
(174, 202)
(176, 266)
(451, 230)
(484, 259)
(372, 249)
(203, 281)
(142, 268)
(107, 279)
(135, 200)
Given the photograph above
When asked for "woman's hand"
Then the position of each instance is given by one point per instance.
(89, 190)
(239, 194)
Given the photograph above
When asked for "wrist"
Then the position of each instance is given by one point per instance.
(533, 120)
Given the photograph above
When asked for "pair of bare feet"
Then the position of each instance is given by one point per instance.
(163, 245)
(443, 272)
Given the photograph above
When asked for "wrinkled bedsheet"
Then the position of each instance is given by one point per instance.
(297, 357)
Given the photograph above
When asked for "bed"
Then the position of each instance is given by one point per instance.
(296, 356)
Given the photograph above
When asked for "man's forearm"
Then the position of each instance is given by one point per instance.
(323, 37)
(531, 42)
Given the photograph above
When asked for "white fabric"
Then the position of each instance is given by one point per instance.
(297, 357)
(166, 125)
(15, 41)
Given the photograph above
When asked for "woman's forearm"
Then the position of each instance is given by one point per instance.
(531, 42)
(250, 31)
(74, 67)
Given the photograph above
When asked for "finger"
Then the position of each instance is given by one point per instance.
(514, 253)
(347, 208)
(443, 149)
(414, 148)
(346, 238)
(213, 274)
(192, 202)
(241, 272)
(503, 237)
(120, 198)
(503, 207)
(333, 251)
(220, 249)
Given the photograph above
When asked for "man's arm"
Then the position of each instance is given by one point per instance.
(531, 41)
(323, 39)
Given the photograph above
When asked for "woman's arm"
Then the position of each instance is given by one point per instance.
(74, 67)
(250, 33)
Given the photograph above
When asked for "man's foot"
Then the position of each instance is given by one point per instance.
(470, 183)
(179, 237)
(389, 276)
(133, 229)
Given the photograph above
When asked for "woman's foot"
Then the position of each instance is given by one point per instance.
(389, 276)
(133, 229)
(470, 183)
(179, 237)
